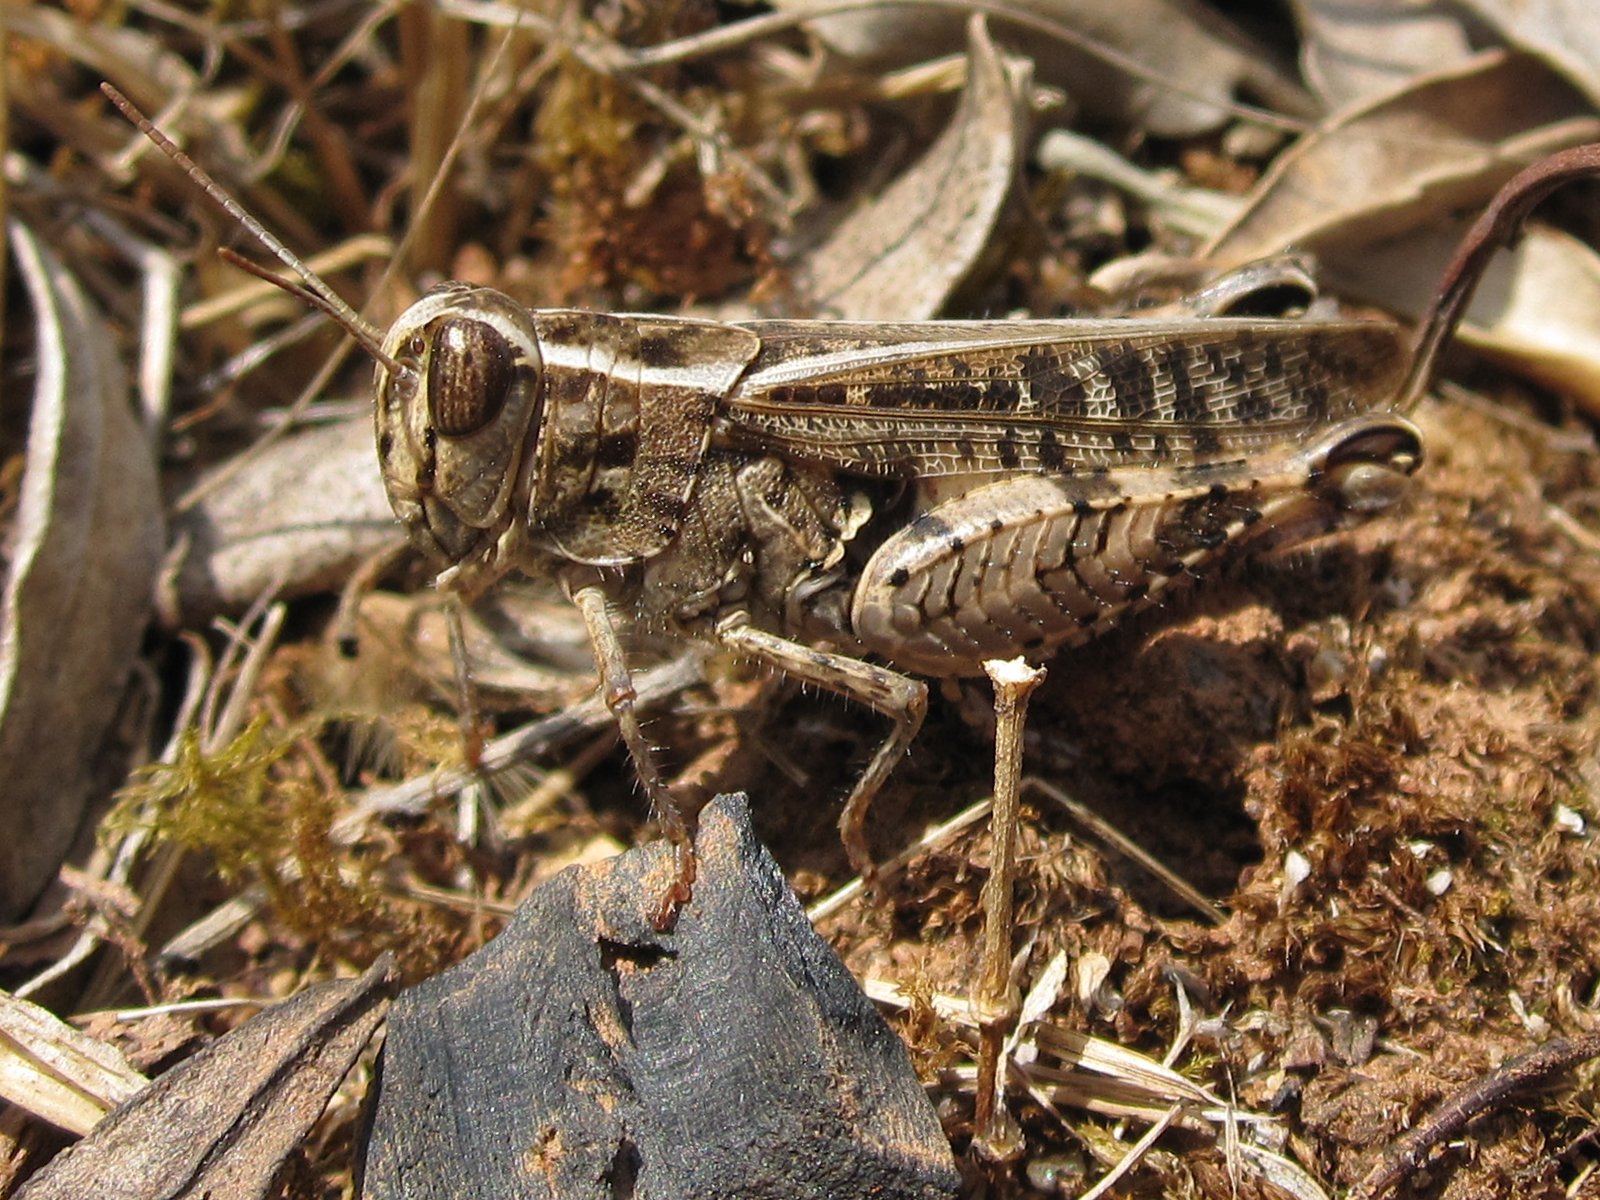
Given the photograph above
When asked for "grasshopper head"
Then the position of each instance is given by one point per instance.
(460, 391)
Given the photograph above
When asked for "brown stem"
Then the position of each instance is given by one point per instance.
(1478, 1097)
(1499, 225)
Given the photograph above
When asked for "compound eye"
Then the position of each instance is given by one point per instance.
(470, 375)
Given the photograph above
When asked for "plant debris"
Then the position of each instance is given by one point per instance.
(1371, 760)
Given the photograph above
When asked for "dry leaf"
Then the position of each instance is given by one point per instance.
(58, 1074)
(1565, 33)
(1352, 52)
(86, 547)
(295, 519)
(1090, 1072)
(1191, 57)
(1442, 144)
(219, 1125)
(899, 256)
(413, 632)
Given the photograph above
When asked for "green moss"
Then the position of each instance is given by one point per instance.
(216, 802)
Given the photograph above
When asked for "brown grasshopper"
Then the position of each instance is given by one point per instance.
(809, 493)
(931, 495)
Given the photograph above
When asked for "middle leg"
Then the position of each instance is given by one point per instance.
(899, 697)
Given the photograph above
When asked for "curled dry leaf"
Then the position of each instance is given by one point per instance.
(294, 519)
(1191, 59)
(1441, 144)
(58, 1074)
(900, 256)
(1351, 52)
(534, 656)
(220, 1125)
(1565, 33)
(86, 547)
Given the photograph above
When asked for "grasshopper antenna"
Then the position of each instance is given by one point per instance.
(1499, 225)
(314, 292)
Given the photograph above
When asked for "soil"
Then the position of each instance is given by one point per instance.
(1372, 757)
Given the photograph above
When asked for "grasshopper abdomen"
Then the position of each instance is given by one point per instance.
(1031, 565)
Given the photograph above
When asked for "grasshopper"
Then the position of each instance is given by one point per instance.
(931, 495)
(862, 505)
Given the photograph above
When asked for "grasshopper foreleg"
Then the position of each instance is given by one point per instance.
(616, 686)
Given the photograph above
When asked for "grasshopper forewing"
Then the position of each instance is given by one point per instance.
(857, 503)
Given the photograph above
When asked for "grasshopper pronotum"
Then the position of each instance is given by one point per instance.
(929, 495)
